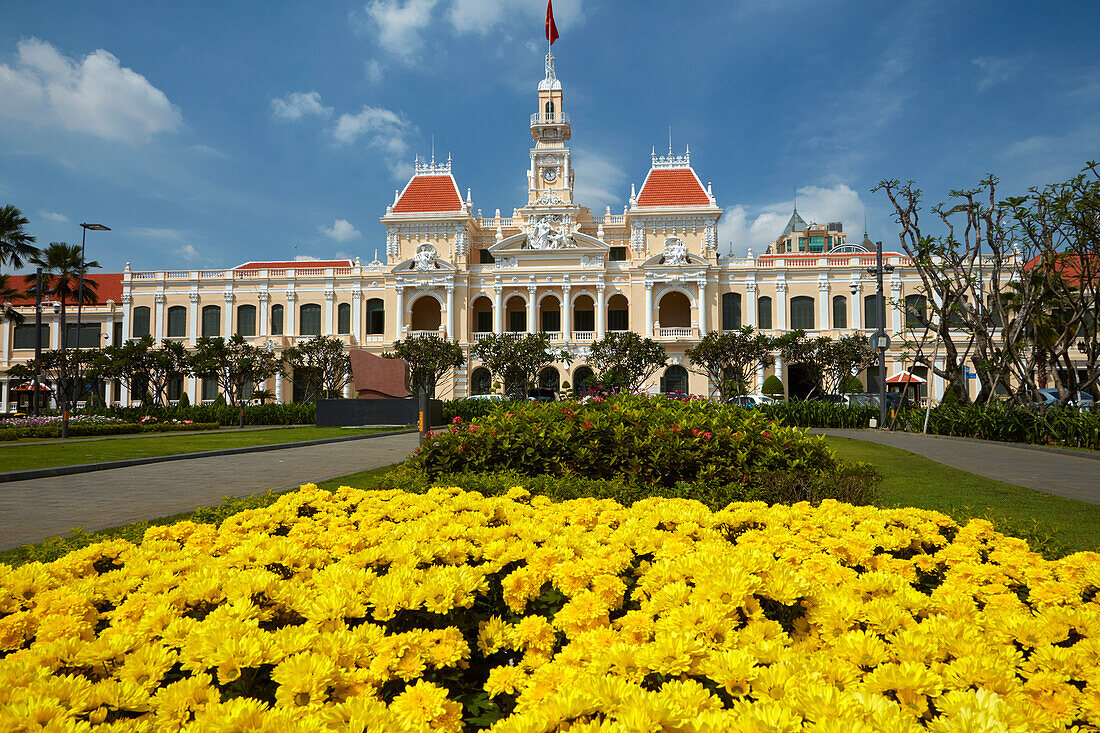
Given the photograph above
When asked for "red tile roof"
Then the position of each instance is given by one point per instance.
(109, 288)
(672, 187)
(427, 194)
(285, 265)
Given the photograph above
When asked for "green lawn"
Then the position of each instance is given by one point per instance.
(1048, 522)
(22, 456)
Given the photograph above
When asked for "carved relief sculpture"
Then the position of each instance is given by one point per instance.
(549, 233)
(676, 252)
(425, 257)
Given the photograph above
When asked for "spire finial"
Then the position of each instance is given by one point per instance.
(433, 150)
(865, 222)
(670, 141)
(796, 199)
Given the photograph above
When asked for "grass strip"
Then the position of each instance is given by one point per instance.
(1053, 525)
(16, 457)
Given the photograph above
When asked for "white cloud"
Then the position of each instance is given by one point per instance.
(756, 227)
(207, 150)
(171, 235)
(306, 258)
(399, 23)
(382, 129)
(341, 230)
(95, 96)
(188, 253)
(296, 105)
(53, 216)
(373, 69)
(484, 16)
(996, 70)
(599, 182)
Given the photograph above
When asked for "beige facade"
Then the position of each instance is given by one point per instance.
(552, 265)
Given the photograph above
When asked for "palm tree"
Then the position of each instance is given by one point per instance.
(16, 245)
(7, 293)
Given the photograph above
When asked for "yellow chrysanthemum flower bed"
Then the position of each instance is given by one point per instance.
(389, 611)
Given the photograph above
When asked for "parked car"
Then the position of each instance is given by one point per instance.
(487, 397)
(1052, 396)
(542, 395)
(871, 399)
(751, 400)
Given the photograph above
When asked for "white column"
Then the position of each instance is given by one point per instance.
(278, 387)
(701, 306)
(857, 306)
(227, 329)
(566, 311)
(347, 390)
(451, 312)
(781, 305)
(648, 310)
(5, 383)
(759, 377)
(193, 331)
(899, 304)
(5, 355)
(55, 332)
(261, 326)
(158, 323)
(498, 310)
(779, 367)
(327, 328)
(823, 306)
(399, 321)
(357, 315)
(601, 310)
(192, 392)
(123, 394)
(750, 296)
(532, 310)
(126, 308)
(291, 312)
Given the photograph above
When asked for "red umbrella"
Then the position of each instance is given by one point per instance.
(904, 377)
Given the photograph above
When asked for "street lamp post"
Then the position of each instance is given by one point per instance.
(79, 313)
(881, 341)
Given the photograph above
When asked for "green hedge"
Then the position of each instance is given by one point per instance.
(1059, 427)
(84, 431)
(294, 413)
(810, 414)
(643, 441)
(471, 409)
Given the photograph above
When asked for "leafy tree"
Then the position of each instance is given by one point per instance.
(16, 245)
(66, 370)
(850, 384)
(7, 294)
(325, 365)
(144, 368)
(429, 359)
(516, 359)
(843, 358)
(625, 360)
(62, 266)
(234, 364)
(726, 358)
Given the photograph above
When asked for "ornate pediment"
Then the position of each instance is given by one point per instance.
(675, 254)
(579, 244)
(425, 261)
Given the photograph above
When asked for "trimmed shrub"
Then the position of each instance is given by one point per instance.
(772, 386)
(294, 413)
(84, 431)
(810, 414)
(644, 442)
(850, 384)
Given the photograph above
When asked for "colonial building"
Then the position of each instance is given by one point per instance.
(551, 265)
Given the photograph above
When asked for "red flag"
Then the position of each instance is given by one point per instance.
(551, 29)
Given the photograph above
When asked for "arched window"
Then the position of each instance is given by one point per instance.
(675, 380)
(802, 312)
(141, 321)
(550, 379)
(246, 320)
(310, 315)
(481, 381)
(515, 311)
(343, 318)
(211, 320)
(916, 311)
(764, 312)
(550, 315)
(840, 311)
(376, 316)
(731, 311)
(481, 318)
(549, 108)
(584, 314)
(426, 314)
(177, 321)
(583, 378)
(276, 320)
(618, 313)
(674, 310)
(871, 317)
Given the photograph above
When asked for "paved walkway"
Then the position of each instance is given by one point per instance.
(39, 508)
(1076, 477)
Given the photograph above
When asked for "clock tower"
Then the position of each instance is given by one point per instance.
(550, 178)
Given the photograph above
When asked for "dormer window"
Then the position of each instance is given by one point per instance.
(549, 111)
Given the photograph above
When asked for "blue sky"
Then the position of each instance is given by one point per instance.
(207, 134)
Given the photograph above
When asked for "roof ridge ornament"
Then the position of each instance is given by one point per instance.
(432, 168)
(672, 161)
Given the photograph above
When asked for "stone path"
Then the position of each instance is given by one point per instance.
(39, 508)
(1061, 473)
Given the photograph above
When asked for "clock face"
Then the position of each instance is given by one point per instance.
(549, 174)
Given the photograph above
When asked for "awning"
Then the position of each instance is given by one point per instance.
(29, 387)
(904, 377)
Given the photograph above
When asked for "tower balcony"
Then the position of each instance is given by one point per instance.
(544, 120)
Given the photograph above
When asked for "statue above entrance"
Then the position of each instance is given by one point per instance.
(549, 233)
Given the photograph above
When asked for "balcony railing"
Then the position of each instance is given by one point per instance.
(675, 332)
(421, 334)
(555, 119)
(584, 335)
